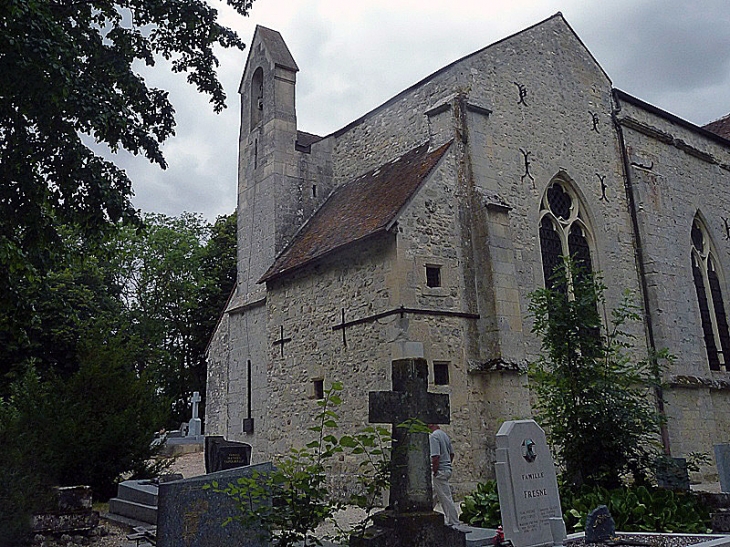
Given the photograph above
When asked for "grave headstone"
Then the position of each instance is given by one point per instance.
(221, 454)
(671, 473)
(189, 516)
(600, 526)
(410, 519)
(195, 425)
(722, 459)
(410, 480)
(189, 438)
(527, 486)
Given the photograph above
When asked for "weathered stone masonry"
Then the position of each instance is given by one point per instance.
(333, 284)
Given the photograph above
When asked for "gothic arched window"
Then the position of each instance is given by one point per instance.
(257, 97)
(709, 298)
(563, 230)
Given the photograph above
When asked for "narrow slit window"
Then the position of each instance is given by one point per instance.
(433, 276)
(318, 389)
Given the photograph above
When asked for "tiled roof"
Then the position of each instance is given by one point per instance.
(359, 209)
(720, 127)
(306, 140)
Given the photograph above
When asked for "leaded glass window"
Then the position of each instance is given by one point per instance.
(709, 299)
(563, 231)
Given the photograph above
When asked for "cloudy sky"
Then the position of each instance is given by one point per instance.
(353, 55)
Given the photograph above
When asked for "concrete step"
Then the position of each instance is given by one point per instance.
(136, 511)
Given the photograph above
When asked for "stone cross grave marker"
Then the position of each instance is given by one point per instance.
(410, 473)
(195, 425)
(527, 486)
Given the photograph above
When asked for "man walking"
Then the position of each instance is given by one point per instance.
(442, 454)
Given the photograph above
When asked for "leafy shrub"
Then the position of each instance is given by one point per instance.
(638, 509)
(288, 504)
(24, 485)
(481, 507)
(593, 398)
(88, 429)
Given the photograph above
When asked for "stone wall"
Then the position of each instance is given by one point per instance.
(676, 173)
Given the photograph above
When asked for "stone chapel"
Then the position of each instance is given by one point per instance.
(420, 229)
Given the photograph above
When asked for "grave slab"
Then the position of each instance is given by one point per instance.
(189, 516)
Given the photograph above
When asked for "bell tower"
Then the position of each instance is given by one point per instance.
(268, 186)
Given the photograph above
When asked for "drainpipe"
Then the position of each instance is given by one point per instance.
(639, 257)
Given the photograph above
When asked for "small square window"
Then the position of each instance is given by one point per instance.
(318, 389)
(433, 276)
(441, 374)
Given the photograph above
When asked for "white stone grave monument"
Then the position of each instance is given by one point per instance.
(195, 425)
(527, 486)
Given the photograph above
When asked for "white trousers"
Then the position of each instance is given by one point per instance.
(442, 491)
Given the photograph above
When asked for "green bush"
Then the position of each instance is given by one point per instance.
(24, 486)
(481, 507)
(637, 509)
(88, 429)
(288, 504)
(596, 401)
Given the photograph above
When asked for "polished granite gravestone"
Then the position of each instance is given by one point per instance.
(722, 460)
(221, 454)
(600, 526)
(672, 474)
(527, 486)
(190, 516)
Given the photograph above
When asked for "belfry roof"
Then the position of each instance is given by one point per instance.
(359, 209)
(274, 43)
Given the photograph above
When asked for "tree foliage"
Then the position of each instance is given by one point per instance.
(117, 334)
(176, 276)
(69, 78)
(592, 395)
(87, 429)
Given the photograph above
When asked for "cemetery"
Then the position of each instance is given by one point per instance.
(191, 511)
(417, 262)
(173, 511)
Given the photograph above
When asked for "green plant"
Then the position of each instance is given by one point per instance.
(592, 397)
(637, 509)
(289, 503)
(481, 507)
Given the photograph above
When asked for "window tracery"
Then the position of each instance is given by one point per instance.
(563, 230)
(709, 298)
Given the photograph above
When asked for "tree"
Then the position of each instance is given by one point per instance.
(69, 78)
(176, 274)
(76, 299)
(595, 401)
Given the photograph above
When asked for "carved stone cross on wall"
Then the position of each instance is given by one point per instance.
(410, 472)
